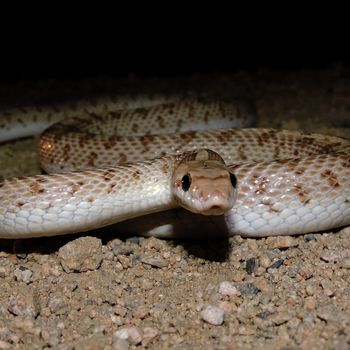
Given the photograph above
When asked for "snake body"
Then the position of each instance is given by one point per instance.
(285, 182)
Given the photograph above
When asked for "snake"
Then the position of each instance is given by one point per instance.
(172, 167)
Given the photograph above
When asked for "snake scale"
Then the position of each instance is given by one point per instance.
(276, 182)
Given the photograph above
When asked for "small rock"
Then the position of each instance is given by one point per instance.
(345, 263)
(134, 239)
(141, 312)
(328, 287)
(120, 344)
(328, 313)
(132, 334)
(153, 243)
(120, 248)
(23, 305)
(264, 314)
(155, 260)
(146, 284)
(309, 237)
(281, 242)
(306, 271)
(6, 268)
(251, 265)
(82, 254)
(310, 303)
(23, 274)
(311, 289)
(3, 272)
(249, 288)
(280, 318)
(58, 306)
(276, 264)
(265, 261)
(213, 315)
(149, 334)
(227, 288)
(330, 256)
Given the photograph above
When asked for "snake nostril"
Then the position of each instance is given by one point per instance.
(186, 182)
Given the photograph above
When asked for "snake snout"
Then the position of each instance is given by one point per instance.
(216, 201)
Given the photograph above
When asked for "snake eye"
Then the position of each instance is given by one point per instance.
(233, 180)
(186, 182)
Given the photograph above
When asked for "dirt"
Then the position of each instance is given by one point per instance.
(100, 290)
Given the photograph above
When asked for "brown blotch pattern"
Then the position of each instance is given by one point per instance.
(331, 178)
(135, 128)
(136, 175)
(122, 158)
(66, 152)
(91, 159)
(110, 142)
(303, 193)
(35, 188)
(161, 122)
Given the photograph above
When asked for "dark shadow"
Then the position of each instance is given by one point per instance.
(205, 237)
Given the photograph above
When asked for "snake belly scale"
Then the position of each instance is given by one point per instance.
(276, 182)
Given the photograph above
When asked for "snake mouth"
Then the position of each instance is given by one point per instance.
(215, 210)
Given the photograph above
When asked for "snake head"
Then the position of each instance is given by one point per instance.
(203, 184)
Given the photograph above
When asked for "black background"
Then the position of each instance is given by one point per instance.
(121, 45)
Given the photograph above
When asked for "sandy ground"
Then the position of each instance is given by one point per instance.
(100, 290)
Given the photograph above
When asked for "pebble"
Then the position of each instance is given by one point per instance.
(120, 344)
(6, 268)
(264, 314)
(281, 242)
(156, 261)
(265, 261)
(82, 254)
(227, 288)
(276, 264)
(57, 305)
(280, 318)
(330, 256)
(132, 334)
(310, 303)
(345, 263)
(249, 288)
(23, 305)
(120, 248)
(309, 237)
(23, 274)
(251, 265)
(328, 287)
(140, 312)
(327, 313)
(213, 315)
(149, 333)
